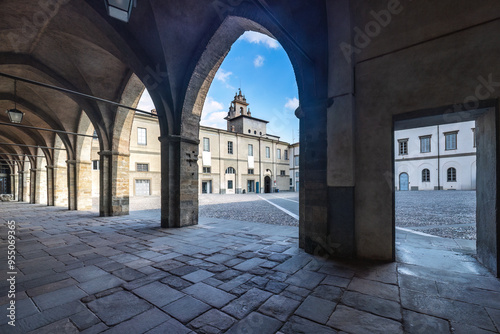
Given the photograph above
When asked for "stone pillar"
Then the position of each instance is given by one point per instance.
(71, 168)
(50, 185)
(487, 219)
(179, 181)
(26, 186)
(13, 186)
(20, 186)
(61, 186)
(33, 198)
(84, 185)
(313, 190)
(114, 184)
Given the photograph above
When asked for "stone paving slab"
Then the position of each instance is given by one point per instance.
(118, 307)
(186, 309)
(128, 275)
(209, 294)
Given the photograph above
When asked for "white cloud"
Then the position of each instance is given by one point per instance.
(222, 75)
(258, 38)
(292, 104)
(213, 114)
(259, 61)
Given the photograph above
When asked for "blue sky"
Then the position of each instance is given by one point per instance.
(260, 66)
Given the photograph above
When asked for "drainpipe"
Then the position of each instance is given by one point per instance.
(260, 166)
(439, 159)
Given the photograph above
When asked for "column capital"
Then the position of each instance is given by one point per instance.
(50, 167)
(110, 153)
(313, 104)
(178, 139)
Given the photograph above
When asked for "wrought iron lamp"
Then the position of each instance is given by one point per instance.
(120, 9)
(15, 115)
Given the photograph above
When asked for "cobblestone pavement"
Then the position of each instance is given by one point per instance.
(82, 273)
(252, 207)
(449, 214)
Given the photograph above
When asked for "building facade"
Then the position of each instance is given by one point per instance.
(294, 166)
(244, 158)
(441, 157)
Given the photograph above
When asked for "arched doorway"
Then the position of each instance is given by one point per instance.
(403, 182)
(267, 184)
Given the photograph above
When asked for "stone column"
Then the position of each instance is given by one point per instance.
(13, 186)
(61, 186)
(114, 184)
(20, 186)
(71, 168)
(50, 185)
(179, 181)
(84, 185)
(26, 186)
(313, 190)
(33, 198)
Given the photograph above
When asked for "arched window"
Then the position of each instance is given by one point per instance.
(230, 170)
(452, 175)
(426, 175)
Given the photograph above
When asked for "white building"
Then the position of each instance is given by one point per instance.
(294, 166)
(436, 157)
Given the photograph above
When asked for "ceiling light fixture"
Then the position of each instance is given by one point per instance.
(15, 115)
(120, 9)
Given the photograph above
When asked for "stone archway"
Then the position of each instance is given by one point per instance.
(204, 71)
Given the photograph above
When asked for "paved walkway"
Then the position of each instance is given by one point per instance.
(82, 273)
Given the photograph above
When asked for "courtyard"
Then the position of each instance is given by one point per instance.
(77, 272)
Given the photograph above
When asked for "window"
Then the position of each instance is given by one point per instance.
(426, 175)
(278, 154)
(206, 144)
(268, 152)
(250, 171)
(451, 140)
(230, 184)
(250, 150)
(291, 181)
(255, 132)
(95, 164)
(207, 170)
(95, 135)
(403, 146)
(452, 175)
(474, 137)
(286, 154)
(229, 147)
(249, 131)
(425, 144)
(230, 170)
(142, 188)
(282, 173)
(142, 137)
(142, 167)
(297, 175)
(296, 163)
